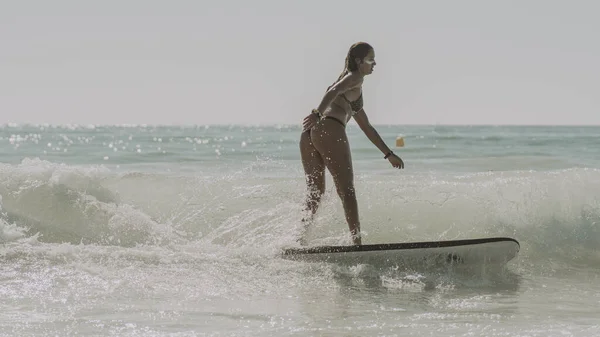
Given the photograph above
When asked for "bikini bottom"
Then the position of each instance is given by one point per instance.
(335, 119)
(329, 117)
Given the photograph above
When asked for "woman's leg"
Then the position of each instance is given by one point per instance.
(314, 172)
(330, 139)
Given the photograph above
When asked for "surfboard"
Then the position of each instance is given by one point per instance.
(494, 251)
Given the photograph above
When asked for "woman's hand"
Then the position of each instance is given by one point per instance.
(396, 161)
(310, 121)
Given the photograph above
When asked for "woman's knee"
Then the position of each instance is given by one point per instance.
(316, 183)
(316, 190)
(347, 192)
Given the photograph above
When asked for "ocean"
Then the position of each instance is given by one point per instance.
(140, 230)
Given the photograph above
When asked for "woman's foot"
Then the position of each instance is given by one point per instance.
(302, 237)
(356, 239)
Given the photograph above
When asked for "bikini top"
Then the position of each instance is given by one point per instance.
(356, 105)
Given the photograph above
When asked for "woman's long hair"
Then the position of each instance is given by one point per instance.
(359, 50)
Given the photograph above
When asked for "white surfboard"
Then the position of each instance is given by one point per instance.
(494, 251)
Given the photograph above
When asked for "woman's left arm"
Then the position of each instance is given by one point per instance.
(363, 122)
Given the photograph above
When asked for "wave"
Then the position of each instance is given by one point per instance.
(60, 203)
(554, 214)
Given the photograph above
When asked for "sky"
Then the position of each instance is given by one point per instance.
(269, 61)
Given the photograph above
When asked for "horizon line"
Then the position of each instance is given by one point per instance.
(94, 125)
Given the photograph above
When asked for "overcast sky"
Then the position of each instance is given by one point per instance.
(269, 61)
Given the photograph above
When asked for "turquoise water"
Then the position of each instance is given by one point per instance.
(168, 230)
(201, 148)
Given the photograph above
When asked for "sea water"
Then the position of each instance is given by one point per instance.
(177, 231)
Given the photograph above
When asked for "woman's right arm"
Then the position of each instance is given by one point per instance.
(346, 83)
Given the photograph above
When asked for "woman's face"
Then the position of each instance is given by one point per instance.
(367, 65)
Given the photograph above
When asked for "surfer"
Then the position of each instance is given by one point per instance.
(324, 143)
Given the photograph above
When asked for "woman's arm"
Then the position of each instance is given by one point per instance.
(363, 122)
(348, 82)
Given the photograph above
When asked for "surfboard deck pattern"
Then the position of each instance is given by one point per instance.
(498, 250)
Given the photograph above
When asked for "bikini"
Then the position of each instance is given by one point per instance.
(356, 106)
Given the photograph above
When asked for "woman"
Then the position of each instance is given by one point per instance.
(324, 144)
